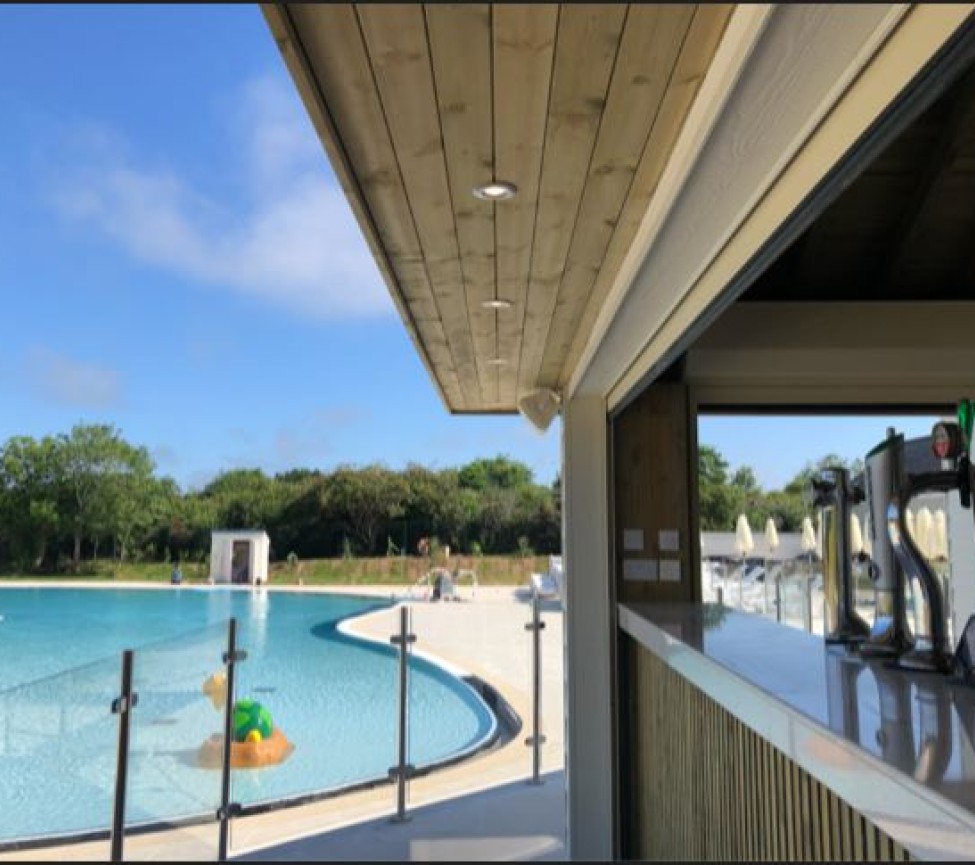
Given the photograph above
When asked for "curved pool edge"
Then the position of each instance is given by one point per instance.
(505, 721)
(346, 627)
(370, 591)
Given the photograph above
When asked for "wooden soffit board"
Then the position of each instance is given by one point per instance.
(577, 105)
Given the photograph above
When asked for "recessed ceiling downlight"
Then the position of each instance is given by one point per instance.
(496, 190)
(497, 361)
(497, 303)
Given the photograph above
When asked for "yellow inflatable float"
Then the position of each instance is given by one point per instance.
(256, 741)
(215, 687)
(246, 755)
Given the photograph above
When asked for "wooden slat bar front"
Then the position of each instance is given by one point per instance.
(735, 744)
(705, 797)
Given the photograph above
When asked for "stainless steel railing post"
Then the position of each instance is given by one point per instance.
(122, 706)
(807, 604)
(227, 808)
(402, 771)
(778, 598)
(536, 739)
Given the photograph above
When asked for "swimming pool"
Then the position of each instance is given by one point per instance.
(333, 696)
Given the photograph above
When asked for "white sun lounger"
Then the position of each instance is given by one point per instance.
(549, 584)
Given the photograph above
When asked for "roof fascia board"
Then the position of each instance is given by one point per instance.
(630, 339)
(863, 121)
(740, 38)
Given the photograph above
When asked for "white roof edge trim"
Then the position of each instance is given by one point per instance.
(883, 77)
(742, 34)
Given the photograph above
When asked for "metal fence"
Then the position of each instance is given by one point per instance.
(81, 718)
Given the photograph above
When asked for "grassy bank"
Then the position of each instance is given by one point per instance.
(491, 571)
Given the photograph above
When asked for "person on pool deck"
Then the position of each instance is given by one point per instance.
(176, 578)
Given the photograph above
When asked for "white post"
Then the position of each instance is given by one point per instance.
(588, 631)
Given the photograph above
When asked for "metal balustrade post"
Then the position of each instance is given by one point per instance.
(807, 604)
(778, 598)
(720, 592)
(122, 706)
(227, 808)
(536, 740)
(402, 771)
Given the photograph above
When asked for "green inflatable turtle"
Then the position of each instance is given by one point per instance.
(250, 717)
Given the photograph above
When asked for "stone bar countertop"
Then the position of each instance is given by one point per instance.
(897, 746)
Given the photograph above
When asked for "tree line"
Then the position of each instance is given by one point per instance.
(72, 497)
(723, 494)
(75, 496)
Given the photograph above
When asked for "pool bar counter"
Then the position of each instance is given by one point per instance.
(748, 739)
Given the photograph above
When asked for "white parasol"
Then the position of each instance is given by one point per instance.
(771, 536)
(743, 536)
(808, 535)
(909, 522)
(924, 526)
(856, 535)
(940, 535)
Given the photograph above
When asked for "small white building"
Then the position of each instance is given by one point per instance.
(239, 556)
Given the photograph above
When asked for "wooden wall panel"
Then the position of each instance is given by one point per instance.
(652, 490)
(702, 785)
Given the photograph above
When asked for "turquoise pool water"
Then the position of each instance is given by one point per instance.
(334, 697)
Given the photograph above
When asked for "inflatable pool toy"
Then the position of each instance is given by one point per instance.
(250, 716)
(255, 740)
(245, 755)
(215, 687)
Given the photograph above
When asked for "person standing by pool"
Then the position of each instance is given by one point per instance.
(176, 578)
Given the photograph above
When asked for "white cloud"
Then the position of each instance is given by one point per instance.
(71, 382)
(291, 242)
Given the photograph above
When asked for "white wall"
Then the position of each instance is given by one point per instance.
(260, 554)
(221, 555)
(589, 630)
(219, 559)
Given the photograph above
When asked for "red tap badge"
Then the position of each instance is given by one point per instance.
(943, 442)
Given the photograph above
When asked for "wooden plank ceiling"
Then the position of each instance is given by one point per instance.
(579, 106)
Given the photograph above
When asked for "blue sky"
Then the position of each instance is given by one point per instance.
(778, 447)
(176, 258)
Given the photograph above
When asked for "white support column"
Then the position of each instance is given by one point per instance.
(588, 629)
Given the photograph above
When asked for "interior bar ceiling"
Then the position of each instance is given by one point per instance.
(578, 106)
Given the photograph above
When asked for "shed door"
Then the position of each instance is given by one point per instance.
(240, 562)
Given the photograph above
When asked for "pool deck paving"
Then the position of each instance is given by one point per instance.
(480, 808)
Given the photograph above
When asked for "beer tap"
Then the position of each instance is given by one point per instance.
(932, 651)
(834, 493)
